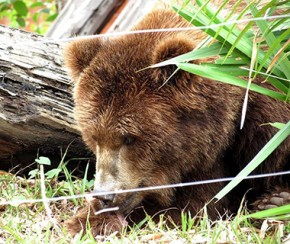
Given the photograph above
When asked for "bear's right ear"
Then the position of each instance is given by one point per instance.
(169, 48)
(79, 54)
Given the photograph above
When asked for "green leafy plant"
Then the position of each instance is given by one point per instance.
(260, 48)
(31, 15)
(70, 186)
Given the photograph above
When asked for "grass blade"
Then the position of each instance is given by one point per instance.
(282, 211)
(270, 39)
(279, 137)
(245, 104)
(217, 74)
(205, 52)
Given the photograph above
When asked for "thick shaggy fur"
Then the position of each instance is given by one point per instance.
(146, 134)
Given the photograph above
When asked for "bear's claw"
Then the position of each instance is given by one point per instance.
(272, 200)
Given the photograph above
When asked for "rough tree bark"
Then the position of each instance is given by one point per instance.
(90, 17)
(36, 107)
(82, 17)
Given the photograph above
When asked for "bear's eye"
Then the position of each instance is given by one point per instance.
(129, 140)
(94, 138)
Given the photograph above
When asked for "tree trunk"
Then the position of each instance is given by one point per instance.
(36, 106)
(83, 17)
(97, 16)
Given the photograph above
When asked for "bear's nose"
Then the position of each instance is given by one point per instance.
(106, 199)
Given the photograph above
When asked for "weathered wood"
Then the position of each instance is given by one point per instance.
(36, 106)
(89, 17)
(82, 17)
(132, 12)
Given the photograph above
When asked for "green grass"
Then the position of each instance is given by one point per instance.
(30, 222)
(261, 48)
(267, 51)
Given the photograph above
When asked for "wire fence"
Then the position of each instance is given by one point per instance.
(44, 199)
(179, 29)
(150, 188)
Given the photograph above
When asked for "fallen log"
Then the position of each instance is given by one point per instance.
(36, 106)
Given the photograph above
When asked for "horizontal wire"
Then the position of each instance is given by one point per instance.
(266, 74)
(149, 188)
(168, 29)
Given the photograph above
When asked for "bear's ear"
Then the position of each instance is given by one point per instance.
(79, 54)
(167, 49)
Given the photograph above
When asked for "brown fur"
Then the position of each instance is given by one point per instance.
(102, 224)
(187, 130)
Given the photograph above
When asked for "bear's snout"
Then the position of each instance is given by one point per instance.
(106, 199)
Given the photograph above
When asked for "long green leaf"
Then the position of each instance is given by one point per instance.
(205, 52)
(198, 19)
(224, 35)
(241, 34)
(215, 74)
(273, 48)
(275, 81)
(274, 212)
(279, 137)
(271, 40)
(278, 125)
(233, 60)
(233, 70)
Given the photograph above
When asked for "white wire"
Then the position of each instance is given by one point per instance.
(266, 74)
(149, 188)
(169, 29)
(194, 183)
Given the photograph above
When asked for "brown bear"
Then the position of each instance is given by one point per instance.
(147, 133)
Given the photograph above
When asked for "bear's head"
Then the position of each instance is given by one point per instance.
(144, 133)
